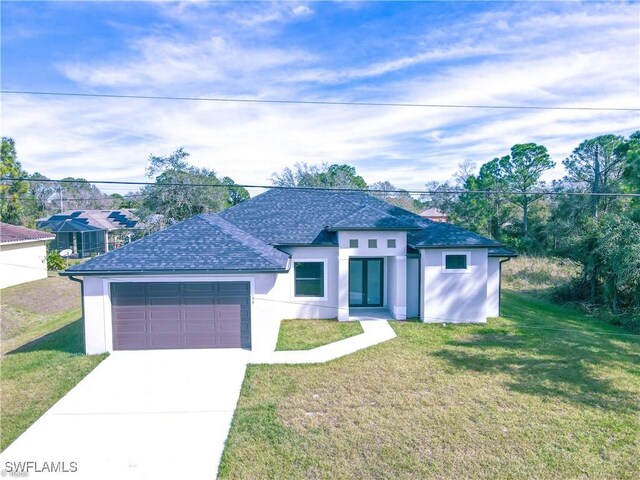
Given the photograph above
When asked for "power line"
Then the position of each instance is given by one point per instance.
(314, 102)
(331, 189)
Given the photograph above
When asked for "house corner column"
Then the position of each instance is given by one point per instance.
(399, 302)
(343, 286)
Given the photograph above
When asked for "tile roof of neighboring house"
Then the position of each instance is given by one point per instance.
(14, 234)
(432, 212)
(100, 219)
(204, 243)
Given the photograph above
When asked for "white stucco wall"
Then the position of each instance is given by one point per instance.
(413, 287)
(453, 297)
(493, 287)
(22, 262)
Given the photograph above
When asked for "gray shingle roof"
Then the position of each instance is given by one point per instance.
(501, 252)
(370, 218)
(438, 234)
(305, 217)
(204, 243)
(301, 217)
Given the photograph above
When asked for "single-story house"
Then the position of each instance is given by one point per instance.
(227, 279)
(23, 254)
(89, 232)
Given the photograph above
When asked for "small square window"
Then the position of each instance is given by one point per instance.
(353, 243)
(373, 243)
(455, 262)
(391, 243)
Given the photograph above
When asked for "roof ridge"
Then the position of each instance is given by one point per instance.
(224, 226)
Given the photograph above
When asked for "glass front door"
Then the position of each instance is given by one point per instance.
(365, 282)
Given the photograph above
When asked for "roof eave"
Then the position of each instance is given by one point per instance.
(84, 273)
(13, 242)
(372, 229)
(445, 245)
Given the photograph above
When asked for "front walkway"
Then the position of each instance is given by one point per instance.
(375, 331)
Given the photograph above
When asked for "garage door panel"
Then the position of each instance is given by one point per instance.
(201, 288)
(132, 327)
(191, 328)
(165, 341)
(161, 328)
(181, 315)
(130, 342)
(164, 313)
(197, 301)
(161, 288)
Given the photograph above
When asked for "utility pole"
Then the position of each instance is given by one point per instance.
(61, 205)
(596, 182)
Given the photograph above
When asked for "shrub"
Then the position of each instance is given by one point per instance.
(55, 261)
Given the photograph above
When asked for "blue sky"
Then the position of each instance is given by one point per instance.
(520, 53)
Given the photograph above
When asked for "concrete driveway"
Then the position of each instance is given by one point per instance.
(138, 415)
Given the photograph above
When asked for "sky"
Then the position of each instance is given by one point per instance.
(577, 54)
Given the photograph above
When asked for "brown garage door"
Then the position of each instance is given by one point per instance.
(180, 315)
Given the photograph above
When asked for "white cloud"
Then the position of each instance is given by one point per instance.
(302, 11)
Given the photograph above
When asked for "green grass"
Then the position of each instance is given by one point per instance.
(42, 348)
(543, 392)
(307, 334)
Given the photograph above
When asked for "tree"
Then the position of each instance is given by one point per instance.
(171, 198)
(235, 194)
(319, 176)
(596, 165)
(396, 196)
(11, 206)
(78, 194)
(618, 252)
(521, 172)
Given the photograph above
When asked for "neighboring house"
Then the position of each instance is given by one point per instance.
(434, 214)
(226, 280)
(89, 232)
(23, 254)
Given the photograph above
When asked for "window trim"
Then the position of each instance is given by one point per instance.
(466, 253)
(325, 282)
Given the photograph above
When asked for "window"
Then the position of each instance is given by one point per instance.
(391, 243)
(309, 279)
(373, 243)
(353, 243)
(456, 262)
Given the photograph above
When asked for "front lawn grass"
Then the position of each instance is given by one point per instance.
(43, 352)
(542, 392)
(307, 334)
